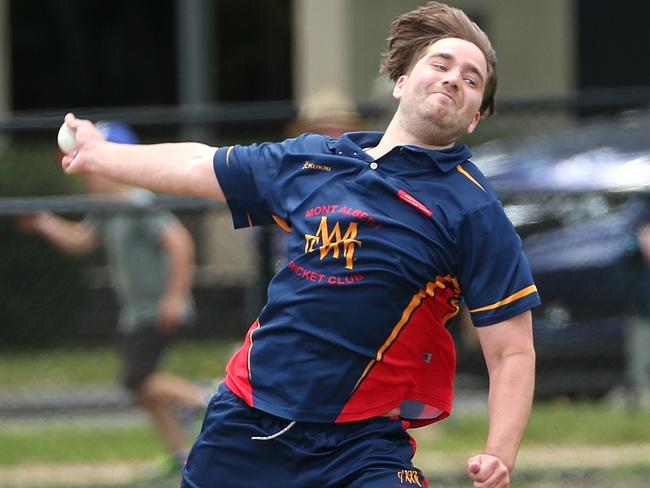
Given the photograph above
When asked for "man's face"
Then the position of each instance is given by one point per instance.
(441, 96)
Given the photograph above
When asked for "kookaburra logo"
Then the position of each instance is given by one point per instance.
(334, 241)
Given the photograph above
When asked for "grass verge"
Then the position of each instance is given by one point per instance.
(576, 444)
(65, 368)
(557, 429)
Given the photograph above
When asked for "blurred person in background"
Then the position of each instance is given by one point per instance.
(151, 261)
(327, 112)
(637, 327)
(386, 232)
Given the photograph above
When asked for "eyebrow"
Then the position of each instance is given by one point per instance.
(467, 65)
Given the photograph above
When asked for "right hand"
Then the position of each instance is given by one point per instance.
(488, 471)
(86, 135)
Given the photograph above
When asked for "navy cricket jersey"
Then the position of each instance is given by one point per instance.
(380, 253)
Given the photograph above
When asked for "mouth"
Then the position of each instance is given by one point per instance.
(446, 95)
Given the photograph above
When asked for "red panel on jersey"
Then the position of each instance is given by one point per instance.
(418, 365)
(238, 369)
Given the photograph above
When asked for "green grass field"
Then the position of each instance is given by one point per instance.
(567, 443)
(562, 426)
(576, 445)
(63, 368)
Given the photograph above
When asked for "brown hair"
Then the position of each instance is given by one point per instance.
(414, 31)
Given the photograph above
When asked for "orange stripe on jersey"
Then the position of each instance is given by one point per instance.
(515, 296)
(250, 348)
(283, 224)
(469, 176)
(430, 291)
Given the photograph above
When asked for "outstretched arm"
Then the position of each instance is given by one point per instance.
(510, 358)
(180, 168)
(68, 235)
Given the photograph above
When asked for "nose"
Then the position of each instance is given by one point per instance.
(452, 79)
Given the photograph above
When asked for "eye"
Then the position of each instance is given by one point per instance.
(440, 67)
(470, 82)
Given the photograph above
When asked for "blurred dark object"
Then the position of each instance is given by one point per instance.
(588, 275)
(577, 198)
(40, 291)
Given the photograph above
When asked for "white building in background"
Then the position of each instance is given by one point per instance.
(338, 43)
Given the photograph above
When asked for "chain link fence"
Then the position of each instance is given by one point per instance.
(49, 298)
(52, 302)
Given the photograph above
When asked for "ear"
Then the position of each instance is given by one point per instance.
(475, 120)
(398, 89)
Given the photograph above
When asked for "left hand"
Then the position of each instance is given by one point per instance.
(488, 471)
(170, 313)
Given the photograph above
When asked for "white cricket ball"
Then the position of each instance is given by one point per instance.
(67, 138)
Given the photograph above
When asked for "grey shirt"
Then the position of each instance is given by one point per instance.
(136, 259)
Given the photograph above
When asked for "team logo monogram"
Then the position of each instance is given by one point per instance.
(334, 241)
(409, 476)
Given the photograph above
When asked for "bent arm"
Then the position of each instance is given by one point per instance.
(510, 357)
(180, 168)
(180, 254)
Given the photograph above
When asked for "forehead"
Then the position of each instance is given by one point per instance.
(460, 50)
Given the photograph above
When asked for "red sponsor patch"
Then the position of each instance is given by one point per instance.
(414, 202)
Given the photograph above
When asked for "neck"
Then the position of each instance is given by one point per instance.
(396, 135)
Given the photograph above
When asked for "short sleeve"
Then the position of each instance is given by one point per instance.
(156, 223)
(494, 274)
(94, 221)
(254, 178)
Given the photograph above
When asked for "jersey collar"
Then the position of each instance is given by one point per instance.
(352, 143)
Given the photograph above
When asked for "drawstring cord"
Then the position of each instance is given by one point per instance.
(277, 434)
